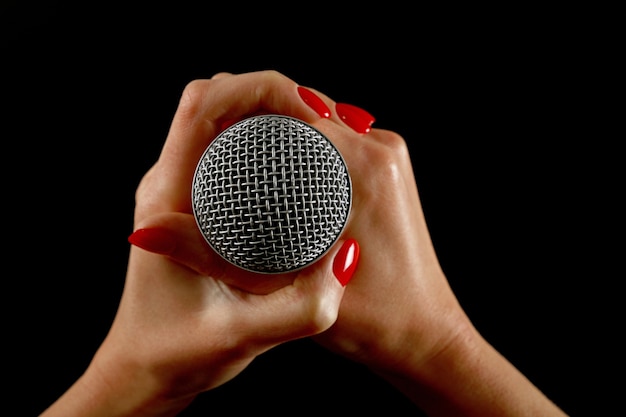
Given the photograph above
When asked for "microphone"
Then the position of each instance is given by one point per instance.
(271, 194)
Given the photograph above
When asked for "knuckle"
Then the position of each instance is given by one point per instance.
(272, 75)
(395, 142)
(386, 165)
(193, 96)
(322, 315)
(389, 157)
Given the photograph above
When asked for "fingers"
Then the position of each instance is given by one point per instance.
(310, 304)
(271, 308)
(208, 105)
(176, 236)
(205, 106)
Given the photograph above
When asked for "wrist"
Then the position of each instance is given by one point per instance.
(466, 376)
(115, 389)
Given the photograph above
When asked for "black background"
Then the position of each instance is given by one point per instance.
(508, 135)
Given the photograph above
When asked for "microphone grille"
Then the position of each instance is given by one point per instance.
(271, 194)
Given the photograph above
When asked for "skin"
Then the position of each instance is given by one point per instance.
(188, 321)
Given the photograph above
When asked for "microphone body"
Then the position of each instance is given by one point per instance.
(271, 194)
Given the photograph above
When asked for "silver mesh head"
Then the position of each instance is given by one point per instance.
(271, 194)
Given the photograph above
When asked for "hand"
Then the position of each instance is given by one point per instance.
(398, 311)
(188, 321)
(398, 316)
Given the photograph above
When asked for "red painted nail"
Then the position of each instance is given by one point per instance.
(355, 117)
(346, 260)
(153, 240)
(314, 102)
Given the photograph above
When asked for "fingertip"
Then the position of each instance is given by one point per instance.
(346, 260)
(357, 118)
(314, 102)
(155, 240)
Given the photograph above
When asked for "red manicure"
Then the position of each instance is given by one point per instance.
(314, 102)
(346, 260)
(153, 240)
(355, 117)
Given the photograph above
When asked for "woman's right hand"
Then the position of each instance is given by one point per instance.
(399, 315)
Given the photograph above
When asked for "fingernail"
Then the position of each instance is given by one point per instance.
(314, 102)
(153, 240)
(355, 117)
(346, 260)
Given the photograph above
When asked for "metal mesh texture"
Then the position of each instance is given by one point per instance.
(271, 194)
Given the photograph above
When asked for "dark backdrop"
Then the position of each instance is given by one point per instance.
(499, 114)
